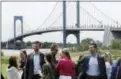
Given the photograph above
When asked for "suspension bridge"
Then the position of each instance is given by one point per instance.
(70, 22)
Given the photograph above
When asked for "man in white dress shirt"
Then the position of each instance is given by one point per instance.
(34, 63)
(94, 65)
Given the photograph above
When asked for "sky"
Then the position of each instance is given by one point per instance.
(35, 13)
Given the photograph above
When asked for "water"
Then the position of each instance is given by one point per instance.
(9, 52)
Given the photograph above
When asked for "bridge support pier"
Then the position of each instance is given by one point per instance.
(110, 35)
(15, 19)
(67, 32)
(77, 35)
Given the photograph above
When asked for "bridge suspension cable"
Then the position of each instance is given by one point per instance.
(58, 16)
(29, 28)
(91, 15)
(103, 13)
(48, 16)
(10, 33)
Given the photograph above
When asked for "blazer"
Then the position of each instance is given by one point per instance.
(48, 71)
(30, 65)
(101, 63)
(114, 70)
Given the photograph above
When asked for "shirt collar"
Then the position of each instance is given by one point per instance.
(94, 56)
(36, 53)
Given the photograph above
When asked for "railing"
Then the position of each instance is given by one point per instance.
(70, 27)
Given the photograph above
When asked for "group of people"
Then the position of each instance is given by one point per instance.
(45, 66)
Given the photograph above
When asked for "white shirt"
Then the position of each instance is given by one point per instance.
(13, 73)
(37, 67)
(93, 67)
(65, 77)
(108, 69)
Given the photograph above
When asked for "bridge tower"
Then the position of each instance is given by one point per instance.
(15, 19)
(68, 32)
(111, 33)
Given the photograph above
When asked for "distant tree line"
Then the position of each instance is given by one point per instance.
(28, 44)
(115, 44)
(85, 43)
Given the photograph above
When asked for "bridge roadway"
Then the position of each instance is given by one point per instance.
(56, 29)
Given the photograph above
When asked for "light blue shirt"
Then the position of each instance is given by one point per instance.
(93, 67)
(37, 67)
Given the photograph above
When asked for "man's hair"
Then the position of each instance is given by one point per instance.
(37, 42)
(48, 57)
(95, 45)
(54, 47)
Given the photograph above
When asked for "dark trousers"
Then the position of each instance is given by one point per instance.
(92, 77)
(36, 76)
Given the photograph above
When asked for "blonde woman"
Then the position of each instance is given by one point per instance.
(108, 62)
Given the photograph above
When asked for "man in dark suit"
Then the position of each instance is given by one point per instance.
(34, 63)
(54, 50)
(93, 65)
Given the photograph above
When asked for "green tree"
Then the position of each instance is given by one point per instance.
(85, 43)
(29, 43)
(87, 40)
(99, 43)
(116, 44)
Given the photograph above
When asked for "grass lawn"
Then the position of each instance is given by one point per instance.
(4, 67)
(74, 55)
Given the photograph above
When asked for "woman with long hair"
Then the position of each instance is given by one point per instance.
(12, 71)
(109, 56)
(108, 62)
(65, 66)
(23, 56)
(48, 69)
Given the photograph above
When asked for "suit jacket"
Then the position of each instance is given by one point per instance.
(101, 64)
(30, 65)
(48, 71)
(114, 70)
